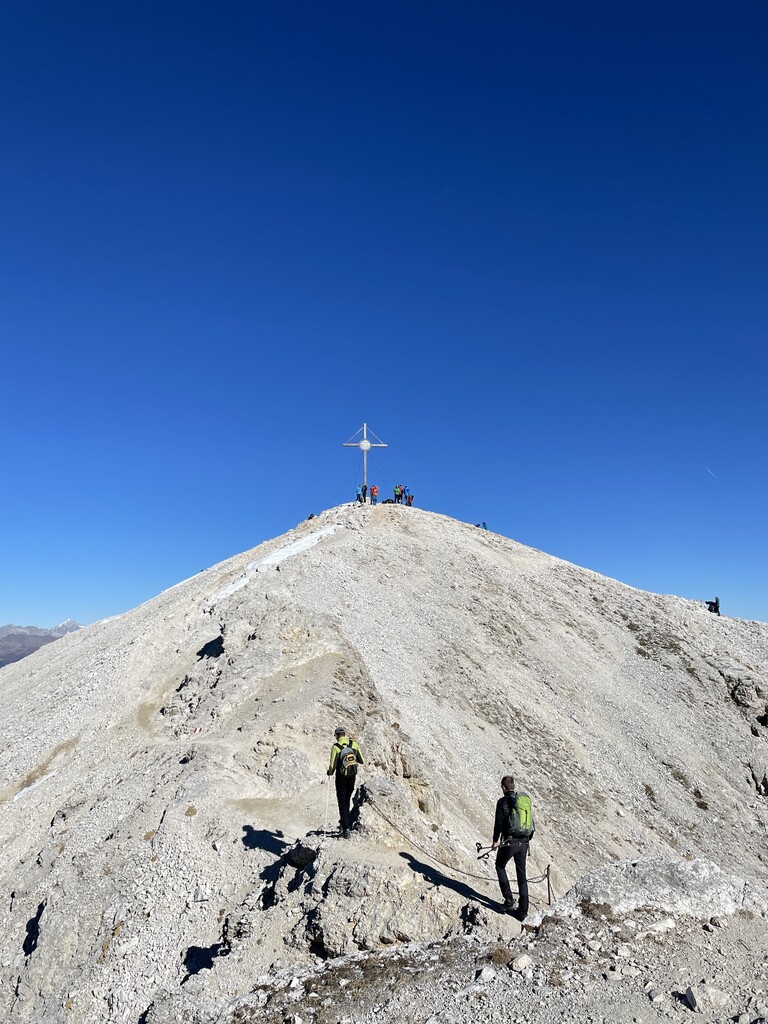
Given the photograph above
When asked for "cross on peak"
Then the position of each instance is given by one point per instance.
(365, 445)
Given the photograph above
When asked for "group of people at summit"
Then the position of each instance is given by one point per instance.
(400, 495)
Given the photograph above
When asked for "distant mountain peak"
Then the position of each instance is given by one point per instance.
(67, 626)
(16, 642)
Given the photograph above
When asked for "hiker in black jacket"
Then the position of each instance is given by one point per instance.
(508, 818)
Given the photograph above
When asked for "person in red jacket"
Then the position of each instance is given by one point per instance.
(374, 494)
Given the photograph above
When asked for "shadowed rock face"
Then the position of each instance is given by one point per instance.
(164, 803)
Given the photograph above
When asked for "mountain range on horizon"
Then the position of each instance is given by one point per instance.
(16, 642)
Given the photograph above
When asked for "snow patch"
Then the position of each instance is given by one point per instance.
(274, 558)
(34, 785)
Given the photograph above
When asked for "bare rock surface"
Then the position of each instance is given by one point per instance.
(695, 888)
(167, 830)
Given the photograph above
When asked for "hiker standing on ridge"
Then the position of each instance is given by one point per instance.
(374, 494)
(364, 491)
(345, 757)
(714, 606)
(514, 826)
(359, 494)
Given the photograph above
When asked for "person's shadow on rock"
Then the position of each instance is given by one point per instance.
(263, 839)
(436, 877)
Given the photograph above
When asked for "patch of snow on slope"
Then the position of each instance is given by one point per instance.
(274, 558)
(34, 785)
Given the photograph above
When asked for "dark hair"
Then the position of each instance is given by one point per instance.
(508, 782)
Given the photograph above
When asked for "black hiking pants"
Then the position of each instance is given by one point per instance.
(518, 850)
(345, 785)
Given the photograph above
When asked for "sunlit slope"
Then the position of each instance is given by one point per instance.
(156, 764)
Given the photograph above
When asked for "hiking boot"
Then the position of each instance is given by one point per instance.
(346, 834)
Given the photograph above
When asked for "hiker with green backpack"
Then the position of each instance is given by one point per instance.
(514, 827)
(345, 757)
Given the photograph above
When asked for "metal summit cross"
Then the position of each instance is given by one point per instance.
(365, 446)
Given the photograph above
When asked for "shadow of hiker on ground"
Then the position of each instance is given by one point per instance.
(446, 882)
(263, 839)
(275, 844)
(201, 958)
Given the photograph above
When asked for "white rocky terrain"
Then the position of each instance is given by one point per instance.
(163, 799)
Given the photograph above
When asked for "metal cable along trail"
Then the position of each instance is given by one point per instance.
(546, 877)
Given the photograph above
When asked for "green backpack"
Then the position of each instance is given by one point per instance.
(518, 816)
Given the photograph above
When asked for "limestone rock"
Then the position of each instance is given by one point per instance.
(520, 963)
(695, 1000)
(301, 854)
(715, 997)
(695, 888)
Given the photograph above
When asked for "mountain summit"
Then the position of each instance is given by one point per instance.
(164, 803)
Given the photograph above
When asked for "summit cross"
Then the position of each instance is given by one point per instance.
(365, 445)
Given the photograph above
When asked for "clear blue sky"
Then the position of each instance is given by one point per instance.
(525, 241)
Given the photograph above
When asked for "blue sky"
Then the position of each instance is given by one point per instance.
(525, 242)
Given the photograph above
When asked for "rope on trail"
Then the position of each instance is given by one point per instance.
(347, 495)
(483, 878)
(390, 480)
(325, 823)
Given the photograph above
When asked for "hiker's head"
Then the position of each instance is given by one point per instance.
(339, 732)
(508, 784)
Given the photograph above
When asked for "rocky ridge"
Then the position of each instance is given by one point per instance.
(164, 807)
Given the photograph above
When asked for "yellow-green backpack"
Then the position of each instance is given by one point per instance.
(518, 814)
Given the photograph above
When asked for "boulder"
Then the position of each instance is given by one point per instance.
(695, 888)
